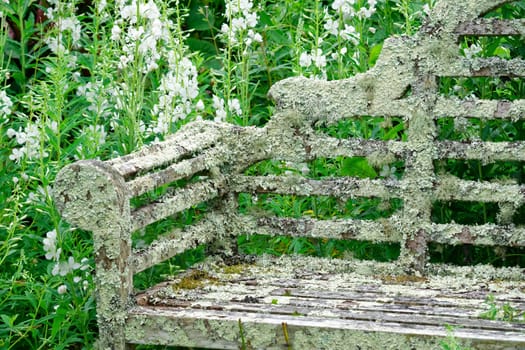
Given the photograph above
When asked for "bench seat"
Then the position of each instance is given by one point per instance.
(291, 298)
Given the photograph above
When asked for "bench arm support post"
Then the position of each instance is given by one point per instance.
(91, 195)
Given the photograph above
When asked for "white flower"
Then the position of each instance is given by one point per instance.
(84, 262)
(218, 103)
(135, 34)
(178, 88)
(11, 133)
(115, 32)
(55, 45)
(241, 18)
(5, 104)
(472, 51)
(305, 60)
(251, 19)
(337, 4)
(332, 26)
(319, 59)
(220, 115)
(156, 28)
(50, 246)
(257, 38)
(150, 10)
(238, 24)
(17, 154)
(101, 5)
(62, 289)
(124, 60)
(30, 141)
(366, 12)
(199, 106)
(62, 268)
(388, 172)
(53, 125)
(235, 106)
(129, 12)
(73, 25)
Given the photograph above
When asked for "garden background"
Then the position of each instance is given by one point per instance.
(101, 78)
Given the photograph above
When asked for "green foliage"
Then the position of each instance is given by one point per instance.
(451, 343)
(503, 312)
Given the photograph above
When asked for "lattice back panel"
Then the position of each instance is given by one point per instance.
(404, 83)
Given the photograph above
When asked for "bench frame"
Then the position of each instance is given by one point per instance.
(95, 195)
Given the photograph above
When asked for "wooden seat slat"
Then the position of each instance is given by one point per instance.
(302, 332)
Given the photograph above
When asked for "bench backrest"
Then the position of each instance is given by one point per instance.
(404, 83)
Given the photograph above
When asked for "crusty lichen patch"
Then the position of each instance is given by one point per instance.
(194, 279)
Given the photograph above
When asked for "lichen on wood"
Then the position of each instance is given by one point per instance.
(96, 195)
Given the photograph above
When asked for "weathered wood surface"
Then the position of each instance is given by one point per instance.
(345, 300)
(295, 302)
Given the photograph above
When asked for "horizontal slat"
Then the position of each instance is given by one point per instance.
(326, 147)
(482, 67)
(191, 138)
(487, 234)
(381, 230)
(177, 241)
(181, 199)
(342, 187)
(476, 108)
(445, 188)
(486, 151)
(491, 27)
(305, 298)
(223, 329)
(174, 172)
(452, 188)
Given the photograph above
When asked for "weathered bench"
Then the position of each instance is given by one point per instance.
(230, 301)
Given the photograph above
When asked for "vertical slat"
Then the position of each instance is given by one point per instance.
(419, 174)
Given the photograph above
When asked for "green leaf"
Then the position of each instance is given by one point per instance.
(394, 132)
(502, 52)
(9, 321)
(203, 46)
(197, 20)
(374, 54)
(58, 321)
(358, 167)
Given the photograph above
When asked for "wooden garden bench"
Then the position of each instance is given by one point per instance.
(230, 301)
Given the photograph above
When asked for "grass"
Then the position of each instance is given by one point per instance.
(96, 79)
